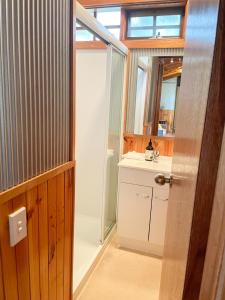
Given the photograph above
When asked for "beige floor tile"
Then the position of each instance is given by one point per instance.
(124, 275)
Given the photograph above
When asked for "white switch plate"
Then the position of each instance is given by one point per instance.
(17, 226)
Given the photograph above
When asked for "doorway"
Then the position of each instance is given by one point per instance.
(187, 162)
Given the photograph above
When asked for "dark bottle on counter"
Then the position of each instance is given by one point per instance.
(149, 151)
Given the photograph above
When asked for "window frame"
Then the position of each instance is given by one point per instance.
(80, 28)
(154, 12)
(95, 11)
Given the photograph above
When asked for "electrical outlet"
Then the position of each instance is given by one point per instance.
(17, 226)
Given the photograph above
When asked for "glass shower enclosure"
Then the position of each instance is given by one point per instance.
(99, 103)
(115, 94)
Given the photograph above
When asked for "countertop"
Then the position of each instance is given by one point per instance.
(162, 164)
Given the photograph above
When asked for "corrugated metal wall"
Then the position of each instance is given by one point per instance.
(34, 88)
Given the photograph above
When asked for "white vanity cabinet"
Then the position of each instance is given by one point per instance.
(134, 211)
(142, 205)
(158, 219)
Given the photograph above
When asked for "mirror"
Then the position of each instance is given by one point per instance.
(153, 90)
(170, 86)
(141, 94)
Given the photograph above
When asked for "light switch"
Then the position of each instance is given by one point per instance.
(17, 226)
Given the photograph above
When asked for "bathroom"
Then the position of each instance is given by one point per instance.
(126, 102)
(112, 150)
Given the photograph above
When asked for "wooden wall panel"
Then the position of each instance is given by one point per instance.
(2, 296)
(43, 238)
(100, 3)
(138, 143)
(52, 235)
(135, 44)
(22, 257)
(39, 267)
(68, 232)
(33, 240)
(8, 255)
(60, 235)
(154, 43)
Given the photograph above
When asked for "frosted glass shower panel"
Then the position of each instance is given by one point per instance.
(114, 139)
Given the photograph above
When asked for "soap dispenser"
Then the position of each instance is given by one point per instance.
(149, 152)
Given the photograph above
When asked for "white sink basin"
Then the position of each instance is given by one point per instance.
(137, 161)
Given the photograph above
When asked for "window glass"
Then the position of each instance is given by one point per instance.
(140, 33)
(141, 21)
(84, 35)
(108, 16)
(167, 32)
(115, 32)
(168, 20)
(91, 11)
(163, 22)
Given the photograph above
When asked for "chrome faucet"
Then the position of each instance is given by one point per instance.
(155, 155)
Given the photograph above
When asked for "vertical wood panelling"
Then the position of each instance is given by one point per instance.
(34, 88)
(139, 143)
(2, 296)
(60, 235)
(52, 235)
(68, 233)
(8, 255)
(39, 267)
(43, 238)
(33, 238)
(22, 257)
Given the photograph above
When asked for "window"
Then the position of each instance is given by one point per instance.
(108, 17)
(83, 34)
(155, 23)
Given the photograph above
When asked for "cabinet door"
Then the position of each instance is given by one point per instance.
(158, 221)
(134, 209)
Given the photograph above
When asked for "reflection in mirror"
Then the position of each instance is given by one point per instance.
(172, 69)
(152, 94)
(141, 93)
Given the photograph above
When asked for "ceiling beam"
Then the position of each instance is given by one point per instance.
(154, 43)
(149, 3)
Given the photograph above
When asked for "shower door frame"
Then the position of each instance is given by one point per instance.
(110, 49)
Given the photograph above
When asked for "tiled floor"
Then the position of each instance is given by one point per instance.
(124, 275)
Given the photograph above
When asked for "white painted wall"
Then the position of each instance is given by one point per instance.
(91, 130)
